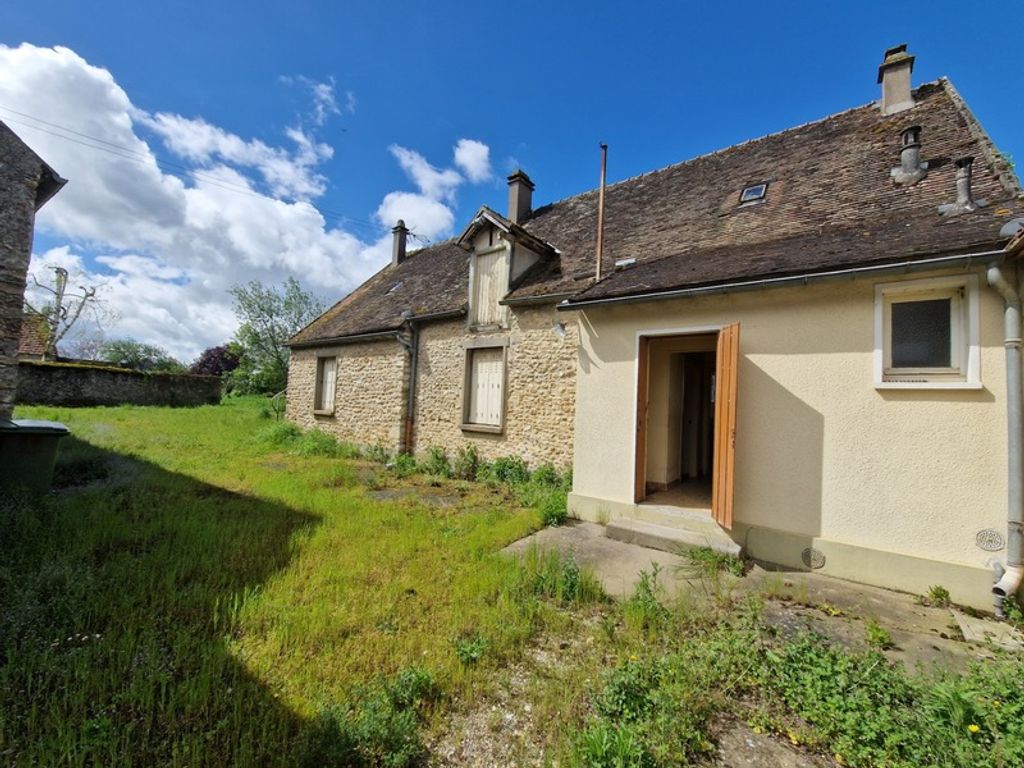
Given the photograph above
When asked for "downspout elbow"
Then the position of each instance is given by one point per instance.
(1007, 586)
(998, 280)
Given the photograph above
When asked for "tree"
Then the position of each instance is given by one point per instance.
(128, 353)
(269, 317)
(216, 361)
(62, 308)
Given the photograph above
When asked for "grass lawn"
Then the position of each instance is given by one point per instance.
(206, 589)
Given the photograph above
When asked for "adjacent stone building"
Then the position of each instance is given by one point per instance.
(26, 183)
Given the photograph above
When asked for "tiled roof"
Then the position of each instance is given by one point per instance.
(32, 340)
(830, 204)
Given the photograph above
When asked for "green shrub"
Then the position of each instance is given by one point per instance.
(316, 443)
(436, 462)
(546, 475)
(510, 470)
(628, 690)
(279, 435)
(404, 465)
(553, 510)
(467, 463)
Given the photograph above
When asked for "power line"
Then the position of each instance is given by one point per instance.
(127, 153)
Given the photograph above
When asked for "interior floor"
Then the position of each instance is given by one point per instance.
(694, 494)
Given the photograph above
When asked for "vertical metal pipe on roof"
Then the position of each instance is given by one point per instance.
(600, 209)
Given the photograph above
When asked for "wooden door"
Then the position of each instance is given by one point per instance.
(642, 361)
(723, 471)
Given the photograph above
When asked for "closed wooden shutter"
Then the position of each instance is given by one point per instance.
(486, 383)
(325, 386)
(490, 283)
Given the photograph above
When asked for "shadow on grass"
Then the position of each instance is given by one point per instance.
(119, 596)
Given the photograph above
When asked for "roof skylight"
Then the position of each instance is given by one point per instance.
(753, 193)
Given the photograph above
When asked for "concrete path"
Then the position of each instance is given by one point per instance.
(617, 565)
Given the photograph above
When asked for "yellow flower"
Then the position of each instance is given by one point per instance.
(632, 658)
(839, 758)
(973, 727)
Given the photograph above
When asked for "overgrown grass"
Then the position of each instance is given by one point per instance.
(202, 590)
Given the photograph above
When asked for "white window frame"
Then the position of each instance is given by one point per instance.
(318, 388)
(470, 346)
(965, 349)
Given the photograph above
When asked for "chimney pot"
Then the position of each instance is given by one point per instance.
(399, 234)
(520, 197)
(894, 77)
(963, 181)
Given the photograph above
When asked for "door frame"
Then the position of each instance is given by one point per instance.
(641, 344)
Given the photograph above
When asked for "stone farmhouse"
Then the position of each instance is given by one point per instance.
(806, 346)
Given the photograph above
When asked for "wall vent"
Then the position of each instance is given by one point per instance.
(990, 540)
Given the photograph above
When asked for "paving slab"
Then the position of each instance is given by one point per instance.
(741, 747)
(985, 631)
(616, 565)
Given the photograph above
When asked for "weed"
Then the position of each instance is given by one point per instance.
(510, 470)
(403, 465)
(553, 511)
(550, 574)
(546, 475)
(643, 611)
(938, 596)
(606, 745)
(1014, 611)
(467, 463)
(470, 648)
(436, 462)
(279, 435)
(378, 453)
(380, 727)
(316, 443)
(706, 562)
(878, 636)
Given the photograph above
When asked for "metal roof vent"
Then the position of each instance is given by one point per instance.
(911, 169)
(965, 201)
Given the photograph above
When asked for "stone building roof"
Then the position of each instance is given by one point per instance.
(830, 204)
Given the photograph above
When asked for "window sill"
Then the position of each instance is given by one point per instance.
(492, 429)
(323, 412)
(970, 385)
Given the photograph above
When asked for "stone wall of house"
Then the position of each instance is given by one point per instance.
(370, 393)
(19, 175)
(540, 389)
(64, 384)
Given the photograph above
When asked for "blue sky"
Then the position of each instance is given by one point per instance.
(538, 85)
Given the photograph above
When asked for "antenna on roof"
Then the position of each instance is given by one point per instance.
(600, 209)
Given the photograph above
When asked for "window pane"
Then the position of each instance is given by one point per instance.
(921, 334)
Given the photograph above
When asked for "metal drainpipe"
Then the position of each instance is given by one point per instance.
(412, 346)
(1010, 580)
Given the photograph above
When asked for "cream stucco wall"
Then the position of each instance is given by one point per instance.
(822, 456)
(540, 386)
(369, 403)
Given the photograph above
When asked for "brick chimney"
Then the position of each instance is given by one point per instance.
(520, 197)
(894, 76)
(399, 234)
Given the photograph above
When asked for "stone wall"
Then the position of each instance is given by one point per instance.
(540, 389)
(64, 384)
(19, 175)
(370, 394)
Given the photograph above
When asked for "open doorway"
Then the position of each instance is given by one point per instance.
(686, 398)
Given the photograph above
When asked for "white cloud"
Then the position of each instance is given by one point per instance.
(165, 244)
(433, 182)
(474, 158)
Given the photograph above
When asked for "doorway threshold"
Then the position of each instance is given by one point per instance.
(692, 500)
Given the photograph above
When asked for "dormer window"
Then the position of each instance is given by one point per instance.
(754, 193)
(488, 286)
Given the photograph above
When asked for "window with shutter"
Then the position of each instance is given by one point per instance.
(490, 284)
(326, 375)
(485, 388)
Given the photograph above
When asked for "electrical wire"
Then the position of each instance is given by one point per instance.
(172, 169)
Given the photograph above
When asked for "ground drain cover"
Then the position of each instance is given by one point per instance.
(813, 558)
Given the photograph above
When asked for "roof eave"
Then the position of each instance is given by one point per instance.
(915, 265)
